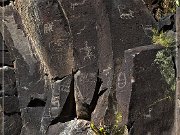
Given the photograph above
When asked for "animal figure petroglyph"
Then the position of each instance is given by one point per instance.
(125, 13)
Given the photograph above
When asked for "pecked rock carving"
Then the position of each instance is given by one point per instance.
(70, 63)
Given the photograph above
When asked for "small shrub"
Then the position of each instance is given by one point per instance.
(166, 39)
(111, 130)
(165, 57)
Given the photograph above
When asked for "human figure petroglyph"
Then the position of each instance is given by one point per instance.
(88, 51)
(122, 80)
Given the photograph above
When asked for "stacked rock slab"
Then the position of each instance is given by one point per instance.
(130, 26)
(9, 103)
(51, 39)
(92, 49)
(144, 93)
(30, 80)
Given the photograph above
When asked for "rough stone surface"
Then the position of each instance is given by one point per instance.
(11, 104)
(73, 127)
(71, 60)
(7, 81)
(178, 72)
(149, 96)
(12, 124)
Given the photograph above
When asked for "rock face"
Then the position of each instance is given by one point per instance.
(151, 97)
(9, 102)
(178, 71)
(73, 127)
(69, 62)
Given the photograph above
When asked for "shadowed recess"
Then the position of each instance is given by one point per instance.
(36, 103)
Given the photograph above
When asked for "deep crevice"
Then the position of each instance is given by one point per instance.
(97, 94)
(58, 78)
(69, 109)
(5, 3)
(3, 64)
(36, 103)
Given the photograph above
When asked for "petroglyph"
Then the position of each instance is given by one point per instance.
(55, 102)
(86, 77)
(106, 71)
(147, 29)
(48, 27)
(122, 80)
(125, 13)
(81, 30)
(88, 51)
(149, 114)
(64, 88)
(73, 5)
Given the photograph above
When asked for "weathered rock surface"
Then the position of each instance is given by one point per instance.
(68, 59)
(150, 96)
(73, 127)
(177, 126)
(12, 124)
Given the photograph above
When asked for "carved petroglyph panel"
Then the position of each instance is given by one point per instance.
(73, 5)
(87, 77)
(81, 30)
(125, 13)
(48, 27)
(88, 50)
(149, 114)
(59, 42)
(55, 102)
(122, 80)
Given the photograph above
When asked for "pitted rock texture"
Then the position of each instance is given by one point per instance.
(178, 72)
(69, 62)
(9, 102)
(73, 127)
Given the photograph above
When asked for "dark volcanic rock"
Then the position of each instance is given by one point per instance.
(62, 101)
(128, 30)
(129, 23)
(11, 104)
(3, 47)
(167, 23)
(32, 121)
(143, 93)
(12, 124)
(51, 33)
(7, 81)
(7, 59)
(71, 59)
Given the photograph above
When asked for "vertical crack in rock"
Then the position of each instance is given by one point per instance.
(75, 106)
(68, 111)
(97, 93)
(84, 110)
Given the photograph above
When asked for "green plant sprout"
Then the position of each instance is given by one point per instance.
(164, 57)
(163, 38)
(113, 130)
